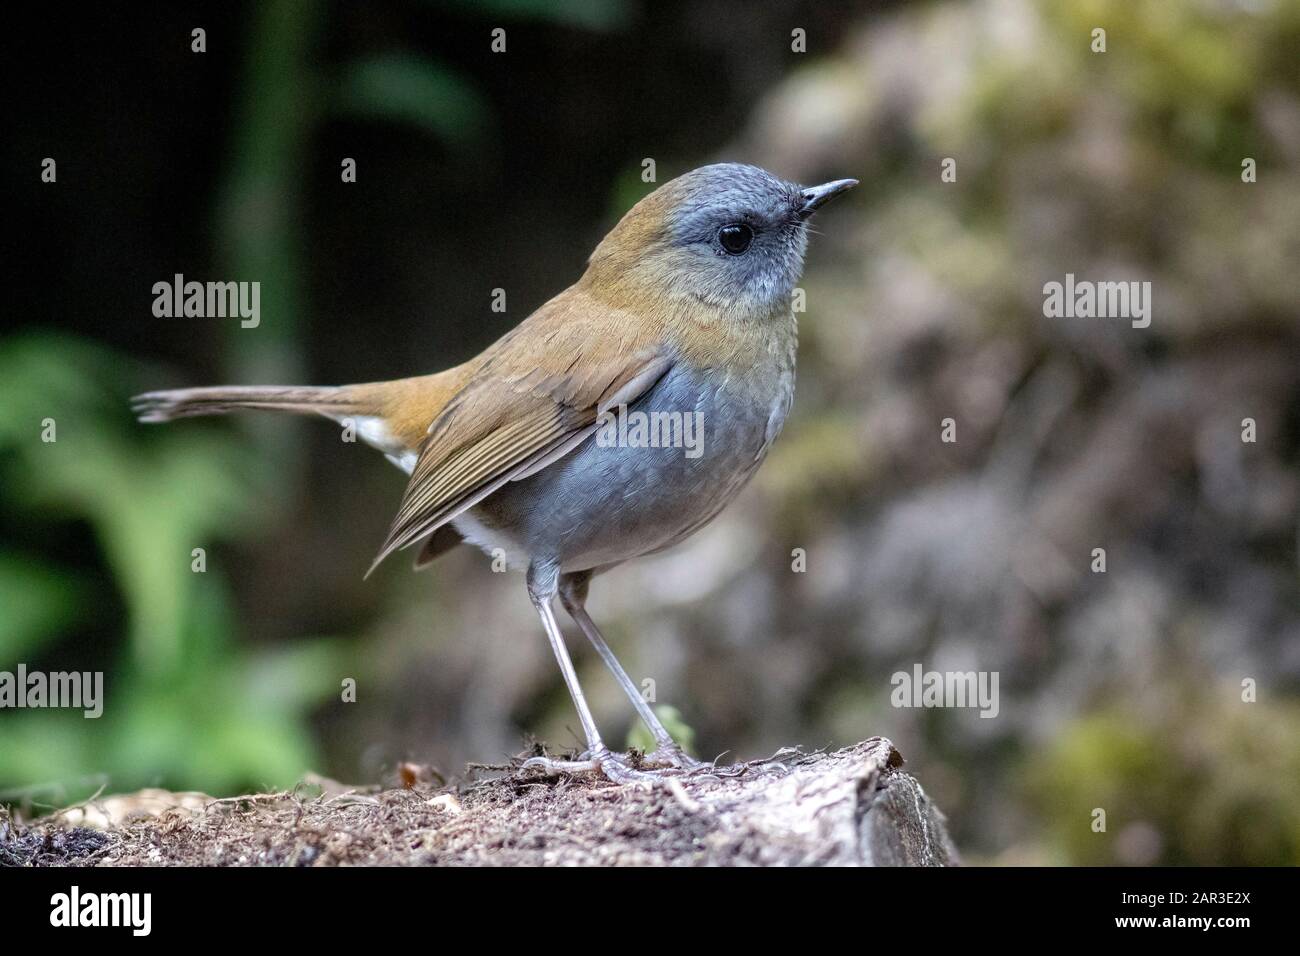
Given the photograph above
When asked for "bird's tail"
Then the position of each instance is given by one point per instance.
(218, 400)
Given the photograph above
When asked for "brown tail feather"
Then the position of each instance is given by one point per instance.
(187, 402)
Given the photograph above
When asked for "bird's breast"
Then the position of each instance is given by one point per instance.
(653, 473)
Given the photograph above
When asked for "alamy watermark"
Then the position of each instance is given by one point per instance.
(619, 428)
(1084, 299)
(133, 911)
(208, 300)
(922, 688)
(82, 690)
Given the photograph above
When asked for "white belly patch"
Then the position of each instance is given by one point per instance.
(374, 432)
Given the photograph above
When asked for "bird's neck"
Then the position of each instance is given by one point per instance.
(706, 335)
(647, 295)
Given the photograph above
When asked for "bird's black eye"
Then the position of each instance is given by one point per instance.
(736, 238)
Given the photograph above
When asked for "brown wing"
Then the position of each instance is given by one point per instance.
(534, 398)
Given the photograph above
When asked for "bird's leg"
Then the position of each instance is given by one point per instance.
(542, 584)
(573, 595)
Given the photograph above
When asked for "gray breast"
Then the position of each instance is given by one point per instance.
(623, 493)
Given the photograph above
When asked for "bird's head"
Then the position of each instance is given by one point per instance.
(729, 236)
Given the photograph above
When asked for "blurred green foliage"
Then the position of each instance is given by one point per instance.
(673, 721)
(187, 704)
(586, 14)
(1186, 784)
(417, 92)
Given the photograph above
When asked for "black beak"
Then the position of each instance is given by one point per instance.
(814, 197)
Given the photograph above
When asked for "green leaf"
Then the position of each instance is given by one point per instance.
(407, 89)
(36, 604)
(682, 732)
(596, 15)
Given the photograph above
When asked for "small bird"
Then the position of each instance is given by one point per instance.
(685, 309)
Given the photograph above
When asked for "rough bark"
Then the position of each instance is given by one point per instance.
(852, 807)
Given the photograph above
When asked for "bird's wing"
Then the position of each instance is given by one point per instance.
(534, 398)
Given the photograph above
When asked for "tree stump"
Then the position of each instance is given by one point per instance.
(852, 807)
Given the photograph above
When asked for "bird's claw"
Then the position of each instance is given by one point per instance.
(602, 762)
(673, 757)
(666, 761)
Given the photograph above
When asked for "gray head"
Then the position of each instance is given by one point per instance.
(727, 235)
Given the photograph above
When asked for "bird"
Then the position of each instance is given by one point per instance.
(684, 314)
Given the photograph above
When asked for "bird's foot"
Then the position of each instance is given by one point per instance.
(599, 761)
(672, 757)
(680, 763)
(665, 762)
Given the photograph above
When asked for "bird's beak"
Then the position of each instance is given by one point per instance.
(814, 197)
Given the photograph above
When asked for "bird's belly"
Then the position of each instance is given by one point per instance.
(652, 476)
